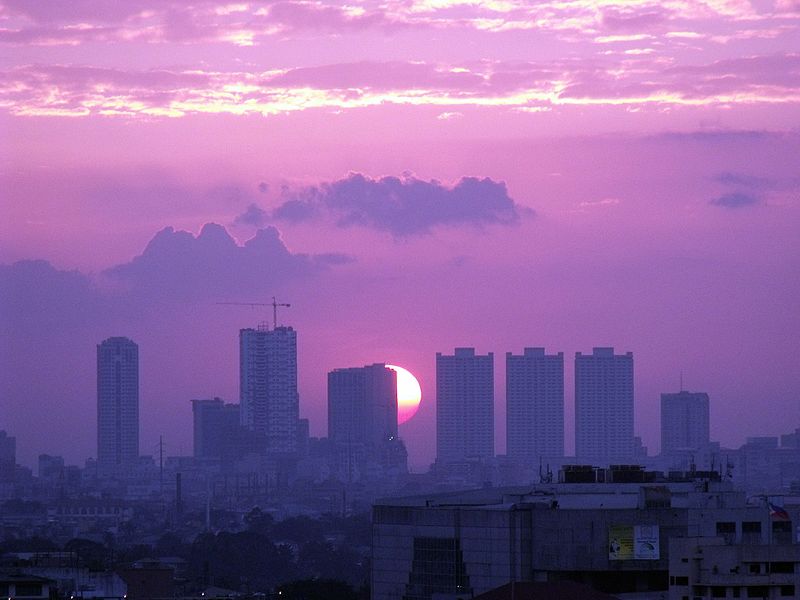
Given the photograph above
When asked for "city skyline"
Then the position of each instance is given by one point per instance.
(410, 176)
(499, 434)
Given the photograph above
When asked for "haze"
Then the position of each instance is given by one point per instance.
(411, 176)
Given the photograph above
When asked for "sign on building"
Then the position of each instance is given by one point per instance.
(633, 542)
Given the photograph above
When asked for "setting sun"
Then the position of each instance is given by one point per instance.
(409, 394)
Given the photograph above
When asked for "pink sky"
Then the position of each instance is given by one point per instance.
(430, 174)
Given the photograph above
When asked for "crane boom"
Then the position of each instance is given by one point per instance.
(274, 304)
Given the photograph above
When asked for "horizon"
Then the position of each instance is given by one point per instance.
(411, 176)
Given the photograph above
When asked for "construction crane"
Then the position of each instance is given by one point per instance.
(274, 304)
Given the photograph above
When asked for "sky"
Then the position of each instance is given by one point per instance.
(411, 176)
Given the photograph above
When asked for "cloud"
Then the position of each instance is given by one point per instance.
(65, 90)
(176, 267)
(34, 295)
(742, 180)
(404, 206)
(254, 215)
(180, 266)
(734, 200)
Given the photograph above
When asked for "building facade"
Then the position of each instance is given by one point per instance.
(684, 422)
(216, 430)
(362, 405)
(117, 404)
(534, 405)
(464, 406)
(604, 406)
(269, 402)
(362, 423)
(614, 535)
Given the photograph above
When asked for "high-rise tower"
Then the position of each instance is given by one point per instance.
(604, 406)
(684, 421)
(464, 406)
(534, 405)
(362, 405)
(117, 404)
(270, 403)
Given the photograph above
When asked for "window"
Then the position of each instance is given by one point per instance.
(737, 592)
(28, 589)
(758, 591)
(718, 591)
(781, 567)
(787, 590)
(754, 568)
(727, 530)
(681, 581)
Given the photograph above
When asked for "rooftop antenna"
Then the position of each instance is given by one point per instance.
(274, 304)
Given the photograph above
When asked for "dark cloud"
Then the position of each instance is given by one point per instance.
(34, 295)
(178, 265)
(175, 268)
(406, 206)
(254, 215)
(735, 200)
(741, 180)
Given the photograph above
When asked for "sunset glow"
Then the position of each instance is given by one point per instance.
(409, 394)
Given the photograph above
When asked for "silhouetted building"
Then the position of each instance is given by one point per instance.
(51, 467)
(362, 405)
(464, 406)
(362, 420)
(217, 430)
(270, 403)
(684, 421)
(604, 406)
(8, 456)
(611, 531)
(534, 405)
(117, 404)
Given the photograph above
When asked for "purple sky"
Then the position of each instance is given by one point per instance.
(412, 175)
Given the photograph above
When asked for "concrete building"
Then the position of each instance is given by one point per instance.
(721, 567)
(606, 528)
(117, 405)
(362, 405)
(534, 405)
(464, 406)
(270, 404)
(362, 423)
(217, 429)
(684, 422)
(604, 407)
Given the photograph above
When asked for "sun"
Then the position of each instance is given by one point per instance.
(409, 394)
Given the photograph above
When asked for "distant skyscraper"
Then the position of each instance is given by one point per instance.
(216, 428)
(8, 456)
(270, 403)
(117, 404)
(362, 405)
(464, 406)
(534, 405)
(604, 406)
(684, 421)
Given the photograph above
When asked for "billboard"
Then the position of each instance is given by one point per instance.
(633, 542)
